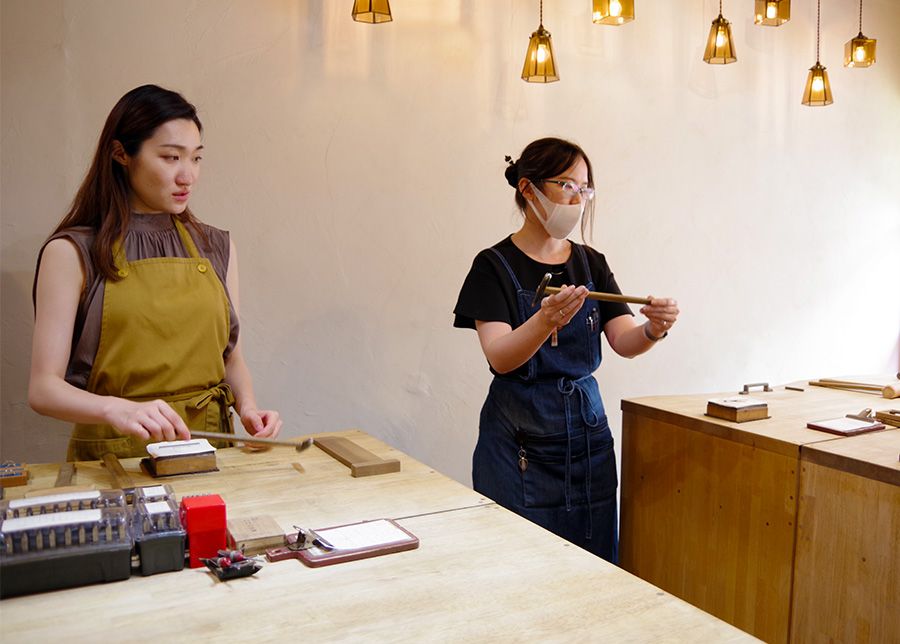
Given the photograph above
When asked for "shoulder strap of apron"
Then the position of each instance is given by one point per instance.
(186, 238)
(584, 262)
(508, 268)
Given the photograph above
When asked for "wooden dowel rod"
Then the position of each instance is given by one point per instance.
(605, 297)
(848, 382)
(835, 384)
(888, 391)
(231, 438)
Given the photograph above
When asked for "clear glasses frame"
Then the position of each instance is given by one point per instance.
(570, 188)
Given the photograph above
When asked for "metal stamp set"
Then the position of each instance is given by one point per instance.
(78, 538)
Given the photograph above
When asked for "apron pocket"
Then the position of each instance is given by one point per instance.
(93, 449)
(544, 477)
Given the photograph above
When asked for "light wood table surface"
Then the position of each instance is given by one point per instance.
(722, 499)
(480, 573)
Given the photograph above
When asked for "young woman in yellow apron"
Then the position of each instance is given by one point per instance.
(136, 332)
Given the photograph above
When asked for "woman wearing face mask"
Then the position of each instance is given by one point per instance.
(136, 301)
(544, 447)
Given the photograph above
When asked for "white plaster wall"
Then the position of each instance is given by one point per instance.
(360, 168)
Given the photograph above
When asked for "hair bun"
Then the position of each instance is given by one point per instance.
(512, 172)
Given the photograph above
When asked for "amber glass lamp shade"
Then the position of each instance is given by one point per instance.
(612, 12)
(372, 11)
(772, 13)
(859, 52)
(719, 45)
(818, 89)
(540, 65)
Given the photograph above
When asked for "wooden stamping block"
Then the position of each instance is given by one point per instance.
(180, 457)
(737, 410)
(361, 461)
(13, 474)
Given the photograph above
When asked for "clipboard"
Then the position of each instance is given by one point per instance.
(351, 541)
(846, 426)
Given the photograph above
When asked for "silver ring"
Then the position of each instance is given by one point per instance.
(562, 313)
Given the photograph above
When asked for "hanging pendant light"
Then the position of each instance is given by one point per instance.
(859, 51)
(720, 45)
(612, 12)
(772, 13)
(372, 11)
(818, 89)
(540, 66)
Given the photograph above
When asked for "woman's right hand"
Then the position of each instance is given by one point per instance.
(150, 421)
(559, 309)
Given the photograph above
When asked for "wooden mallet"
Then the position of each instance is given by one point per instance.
(887, 391)
(545, 289)
(231, 438)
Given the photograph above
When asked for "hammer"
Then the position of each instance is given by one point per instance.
(231, 438)
(544, 289)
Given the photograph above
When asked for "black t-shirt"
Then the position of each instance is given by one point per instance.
(489, 295)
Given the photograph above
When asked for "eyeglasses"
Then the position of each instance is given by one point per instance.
(570, 188)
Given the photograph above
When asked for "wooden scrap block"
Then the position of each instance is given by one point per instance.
(254, 535)
(737, 410)
(361, 461)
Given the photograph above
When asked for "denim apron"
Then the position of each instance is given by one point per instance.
(544, 447)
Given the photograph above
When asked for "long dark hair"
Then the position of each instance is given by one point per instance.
(546, 158)
(102, 200)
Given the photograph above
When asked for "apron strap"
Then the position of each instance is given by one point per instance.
(186, 238)
(220, 393)
(118, 251)
(584, 263)
(509, 269)
(568, 388)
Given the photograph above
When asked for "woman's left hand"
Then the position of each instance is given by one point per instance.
(661, 313)
(262, 423)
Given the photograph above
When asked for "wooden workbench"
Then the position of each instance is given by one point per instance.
(710, 512)
(480, 572)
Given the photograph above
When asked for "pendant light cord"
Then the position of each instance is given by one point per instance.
(541, 21)
(860, 16)
(818, 13)
(720, 7)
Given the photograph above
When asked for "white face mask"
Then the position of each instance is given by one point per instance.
(561, 218)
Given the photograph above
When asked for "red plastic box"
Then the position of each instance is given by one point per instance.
(203, 518)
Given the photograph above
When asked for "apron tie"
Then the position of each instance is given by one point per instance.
(221, 394)
(568, 387)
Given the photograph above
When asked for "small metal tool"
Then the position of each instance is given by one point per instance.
(865, 414)
(746, 390)
(232, 438)
(545, 289)
(308, 538)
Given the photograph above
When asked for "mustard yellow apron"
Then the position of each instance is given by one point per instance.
(165, 326)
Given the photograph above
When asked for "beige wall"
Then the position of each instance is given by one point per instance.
(360, 168)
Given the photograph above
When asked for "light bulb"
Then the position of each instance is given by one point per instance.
(615, 8)
(720, 37)
(541, 53)
(818, 84)
(860, 54)
(771, 10)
